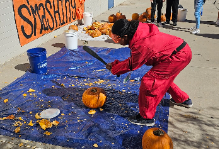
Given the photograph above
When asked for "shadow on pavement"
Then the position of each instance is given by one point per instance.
(213, 36)
(206, 125)
(202, 22)
(23, 67)
(58, 45)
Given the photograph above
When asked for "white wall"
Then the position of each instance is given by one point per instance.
(117, 2)
(96, 6)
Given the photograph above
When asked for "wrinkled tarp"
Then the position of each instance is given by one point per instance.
(70, 73)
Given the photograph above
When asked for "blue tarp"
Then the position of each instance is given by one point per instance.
(77, 71)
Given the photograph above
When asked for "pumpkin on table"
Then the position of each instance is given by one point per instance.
(73, 27)
(156, 138)
(94, 97)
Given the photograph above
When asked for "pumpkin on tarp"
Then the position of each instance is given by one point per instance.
(156, 138)
(94, 97)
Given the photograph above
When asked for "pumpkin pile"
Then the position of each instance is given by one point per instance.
(156, 138)
(94, 97)
(97, 29)
(113, 17)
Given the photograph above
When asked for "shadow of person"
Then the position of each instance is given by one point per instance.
(23, 67)
(213, 36)
(58, 45)
(176, 28)
(201, 22)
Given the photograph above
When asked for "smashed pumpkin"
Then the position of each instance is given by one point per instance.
(156, 138)
(94, 97)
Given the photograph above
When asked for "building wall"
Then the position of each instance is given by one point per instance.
(117, 2)
(9, 41)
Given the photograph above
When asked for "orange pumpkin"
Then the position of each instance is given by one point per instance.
(73, 27)
(135, 16)
(118, 14)
(163, 18)
(94, 97)
(122, 16)
(112, 18)
(142, 18)
(148, 11)
(156, 138)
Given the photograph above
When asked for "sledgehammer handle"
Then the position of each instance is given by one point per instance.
(95, 55)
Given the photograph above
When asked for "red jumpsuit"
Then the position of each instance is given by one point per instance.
(151, 47)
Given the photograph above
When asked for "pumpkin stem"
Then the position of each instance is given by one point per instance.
(158, 132)
(94, 90)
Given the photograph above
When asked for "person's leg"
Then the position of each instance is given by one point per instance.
(153, 9)
(197, 14)
(175, 11)
(168, 10)
(177, 94)
(198, 7)
(158, 80)
(159, 8)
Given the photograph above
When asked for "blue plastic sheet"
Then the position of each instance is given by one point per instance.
(69, 74)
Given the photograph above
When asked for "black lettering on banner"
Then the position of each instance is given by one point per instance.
(73, 10)
(63, 17)
(48, 2)
(67, 8)
(43, 25)
(34, 12)
(49, 15)
(56, 12)
(26, 20)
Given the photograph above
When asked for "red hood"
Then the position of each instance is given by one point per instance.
(143, 31)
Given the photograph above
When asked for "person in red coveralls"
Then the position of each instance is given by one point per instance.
(167, 54)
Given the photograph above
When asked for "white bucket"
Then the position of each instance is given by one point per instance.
(87, 18)
(71, 39)
(181, 14)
